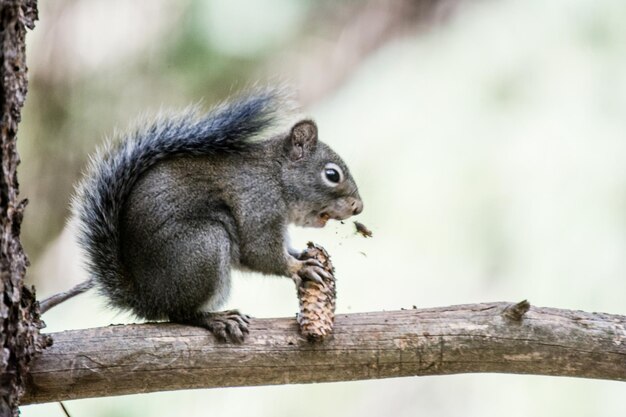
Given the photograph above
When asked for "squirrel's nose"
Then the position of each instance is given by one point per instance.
(357, 206)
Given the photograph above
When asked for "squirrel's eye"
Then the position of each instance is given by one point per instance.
(332, 174)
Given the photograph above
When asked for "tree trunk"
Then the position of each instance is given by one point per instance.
(490, 337)
(19, 316)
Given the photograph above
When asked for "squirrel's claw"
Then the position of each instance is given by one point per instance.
(315, 267)
(226, 326)
(229, 325)
(313, 275)
(311, 270)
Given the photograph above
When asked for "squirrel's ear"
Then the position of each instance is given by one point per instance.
(302, 139)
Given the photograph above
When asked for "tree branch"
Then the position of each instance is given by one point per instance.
(489, 337)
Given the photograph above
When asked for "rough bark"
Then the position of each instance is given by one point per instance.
(19, 318)
(490, 337)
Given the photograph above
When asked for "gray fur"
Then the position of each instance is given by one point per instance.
(167, 212)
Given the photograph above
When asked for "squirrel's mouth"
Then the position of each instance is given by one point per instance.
(324, 216)
(320, 218)
(317, 219)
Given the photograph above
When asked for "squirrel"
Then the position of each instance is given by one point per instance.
(164, 214)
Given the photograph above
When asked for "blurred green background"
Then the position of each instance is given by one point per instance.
(488, 139)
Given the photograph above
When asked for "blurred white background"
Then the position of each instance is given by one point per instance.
(489, 145)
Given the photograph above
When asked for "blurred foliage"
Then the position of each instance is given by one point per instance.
(489, 150)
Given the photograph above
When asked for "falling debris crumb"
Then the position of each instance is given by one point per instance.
(362, 229)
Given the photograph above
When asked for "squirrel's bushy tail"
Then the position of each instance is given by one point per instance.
(115, 169)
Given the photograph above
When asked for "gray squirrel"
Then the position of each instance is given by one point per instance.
(166, 212)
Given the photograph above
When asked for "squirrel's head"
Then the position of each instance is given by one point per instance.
(317, 183)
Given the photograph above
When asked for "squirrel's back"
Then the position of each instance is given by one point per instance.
(115, 169)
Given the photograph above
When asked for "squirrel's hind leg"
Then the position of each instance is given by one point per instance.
(204, 257)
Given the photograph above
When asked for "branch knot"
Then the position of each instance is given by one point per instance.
(515, 312)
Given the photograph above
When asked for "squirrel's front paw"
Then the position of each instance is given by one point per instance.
(309, 269)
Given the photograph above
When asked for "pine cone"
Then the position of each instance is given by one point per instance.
(317, 302)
